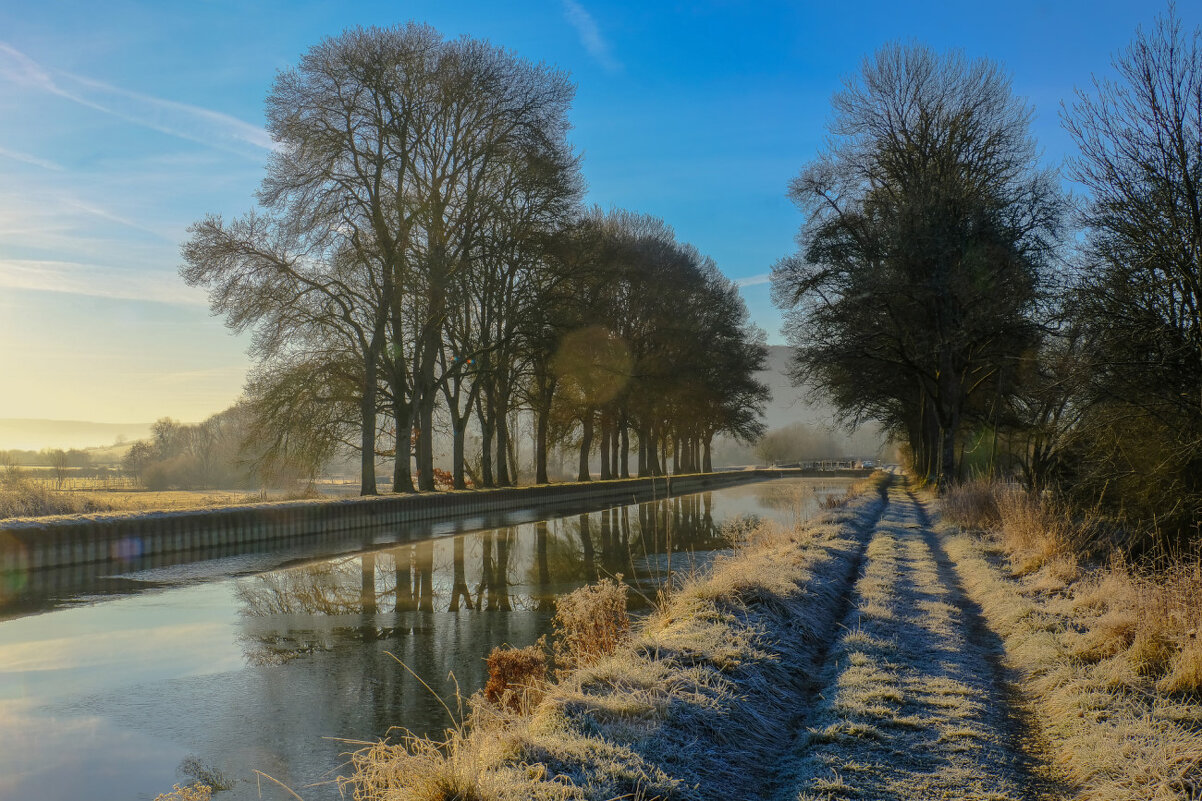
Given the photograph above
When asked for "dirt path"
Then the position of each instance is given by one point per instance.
(912, 701)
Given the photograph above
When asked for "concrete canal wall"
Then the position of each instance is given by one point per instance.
(58, 542)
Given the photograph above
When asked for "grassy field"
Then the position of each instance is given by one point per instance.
(36, 496)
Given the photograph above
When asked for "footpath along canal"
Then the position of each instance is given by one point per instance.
(114, 684)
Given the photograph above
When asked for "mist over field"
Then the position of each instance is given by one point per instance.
(33, 434)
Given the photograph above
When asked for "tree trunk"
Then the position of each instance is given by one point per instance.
(502, 426)
(425, 443)
(367, 443)
(707, 464)
(653, 465)
(486, 436)
(402, 474)
(459, 432)
(644, 466)
(614, 447)
(606, 441)
(624, 457)
(586, 447)
(540, 446)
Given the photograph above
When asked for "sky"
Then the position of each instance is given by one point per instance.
(121, 123)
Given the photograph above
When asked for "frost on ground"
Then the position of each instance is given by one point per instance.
(912, 704)
(696, 704)
(1111, 730)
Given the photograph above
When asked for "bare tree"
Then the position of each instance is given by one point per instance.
(1139, 303)
(929, 229)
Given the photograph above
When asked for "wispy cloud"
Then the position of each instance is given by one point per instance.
(104, 214)
(97, 281)
(182, 120)
(590, 35)
(753, 280)
(45, 164)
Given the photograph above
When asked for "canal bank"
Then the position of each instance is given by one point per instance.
(121, 538)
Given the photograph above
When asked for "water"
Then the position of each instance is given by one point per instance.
(284, 663)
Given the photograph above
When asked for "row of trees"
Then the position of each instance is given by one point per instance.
(938, 290)
(420, 260)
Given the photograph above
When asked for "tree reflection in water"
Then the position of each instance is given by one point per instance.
(386, 594)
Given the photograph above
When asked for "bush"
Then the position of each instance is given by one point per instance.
(973, 504)
(589, 624)
(516, 676)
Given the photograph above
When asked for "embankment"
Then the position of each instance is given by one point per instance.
(696, 703)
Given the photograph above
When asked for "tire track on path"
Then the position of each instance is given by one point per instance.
(913, 701)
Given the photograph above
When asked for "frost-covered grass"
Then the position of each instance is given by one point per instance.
(23, 498)
(911, 704)
(1107, 657)
(694, 703)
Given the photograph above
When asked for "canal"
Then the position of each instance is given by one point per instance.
(116, 686)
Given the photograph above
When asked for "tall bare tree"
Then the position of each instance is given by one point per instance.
(1139, 303)
(929, 227)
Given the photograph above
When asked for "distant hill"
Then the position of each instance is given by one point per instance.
(789, 405)
(34, 434)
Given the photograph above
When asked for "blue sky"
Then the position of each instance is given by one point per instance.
(123, 122)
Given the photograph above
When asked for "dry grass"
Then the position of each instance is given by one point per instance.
(22, 498)
(679, 705)
(1152, 618)
(189, 792)
(589, 624)
(1034, 531)
(972, 505)
(1111, 661)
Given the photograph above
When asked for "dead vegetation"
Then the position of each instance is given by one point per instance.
(589, 624)
(517, 677)
(20, 497)
(1109, 652)
(677, 705)
(189, 792)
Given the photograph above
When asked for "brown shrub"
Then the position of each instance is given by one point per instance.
(589, 624)
(516, 676)
(832, 501)
(973, 504)
(1038, 531)
(189, 792)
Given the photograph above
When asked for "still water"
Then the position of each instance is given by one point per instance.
(244, 665)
